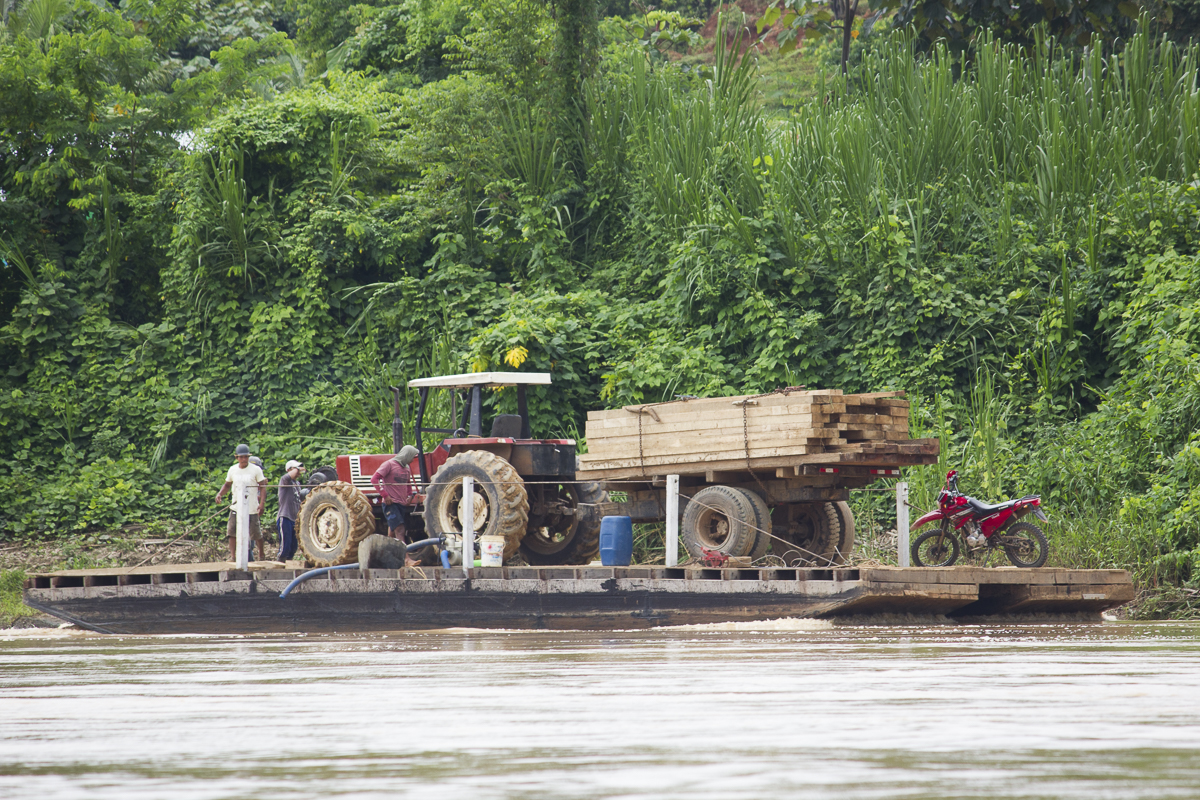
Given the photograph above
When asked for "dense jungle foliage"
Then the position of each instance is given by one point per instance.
(238, 222)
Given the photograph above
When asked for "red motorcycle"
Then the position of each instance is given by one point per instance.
(980, 525)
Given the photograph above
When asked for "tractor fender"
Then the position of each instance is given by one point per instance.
(930, 517)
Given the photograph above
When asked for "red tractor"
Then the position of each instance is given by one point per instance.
(525, 488)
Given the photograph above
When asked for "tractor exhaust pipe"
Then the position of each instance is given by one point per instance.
(397, 422)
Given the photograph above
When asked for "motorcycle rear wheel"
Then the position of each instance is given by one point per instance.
(1025, 545)
(934, 549)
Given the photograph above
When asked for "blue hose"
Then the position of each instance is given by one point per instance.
(312, 573)
(446, 559)
(423, 543)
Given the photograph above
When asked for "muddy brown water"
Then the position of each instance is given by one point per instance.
(769, 710)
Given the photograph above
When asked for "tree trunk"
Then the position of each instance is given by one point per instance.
(572, 62)
(848, 31)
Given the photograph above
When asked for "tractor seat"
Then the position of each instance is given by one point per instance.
(984, 508)
(506, 426)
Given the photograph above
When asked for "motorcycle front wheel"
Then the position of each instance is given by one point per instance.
(935, 549)
(1025, 545)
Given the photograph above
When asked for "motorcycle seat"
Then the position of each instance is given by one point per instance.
(985, 508)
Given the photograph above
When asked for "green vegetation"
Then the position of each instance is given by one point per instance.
(224, 224)
(12, 582)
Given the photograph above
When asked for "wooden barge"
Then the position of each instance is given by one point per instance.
(215, 599)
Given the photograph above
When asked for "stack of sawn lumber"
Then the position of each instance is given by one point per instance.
(777, 430)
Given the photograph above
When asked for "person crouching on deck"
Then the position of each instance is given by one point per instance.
(393, 481)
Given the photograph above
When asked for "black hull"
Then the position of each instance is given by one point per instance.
(230, 602)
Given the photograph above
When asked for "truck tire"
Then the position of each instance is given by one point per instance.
(846, 542)
(719, 518)
(762, 537)
(557, 538)
(335, 517)
(500, 498)
(810, 532)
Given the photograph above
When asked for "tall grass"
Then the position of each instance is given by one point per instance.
(12, 582)
(904, 132)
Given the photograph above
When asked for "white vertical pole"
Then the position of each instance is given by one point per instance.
(241, 504)
(672, 520)
(468, 523)
(902, 522)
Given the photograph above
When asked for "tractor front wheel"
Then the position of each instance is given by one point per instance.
(335, 517)
(501, 505)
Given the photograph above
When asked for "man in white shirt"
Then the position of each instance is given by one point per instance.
(241, 475)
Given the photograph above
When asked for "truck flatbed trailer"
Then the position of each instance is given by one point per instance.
(753, 475)
(214, 598)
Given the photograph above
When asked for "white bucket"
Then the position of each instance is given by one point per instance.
(491, 551)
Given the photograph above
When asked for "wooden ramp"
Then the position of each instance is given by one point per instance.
(216, 599)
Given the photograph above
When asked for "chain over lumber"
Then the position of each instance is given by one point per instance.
(789, 433)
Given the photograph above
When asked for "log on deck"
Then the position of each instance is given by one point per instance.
(212, 598)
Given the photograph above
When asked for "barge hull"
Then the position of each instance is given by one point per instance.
(212, 599)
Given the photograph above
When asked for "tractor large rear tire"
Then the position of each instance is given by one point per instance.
(719, 518)
(571, 538)
(335, 517)
(814, 531)
(501, 502)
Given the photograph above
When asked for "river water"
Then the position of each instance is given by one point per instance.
(791, 709)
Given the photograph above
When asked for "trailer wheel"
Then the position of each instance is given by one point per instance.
(762, 537)
(501, 502)
(719, 518)
(335, 517)
(846, 542)
(812, 532)
(564, 526)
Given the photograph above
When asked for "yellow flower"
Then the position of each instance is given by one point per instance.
(853, 34)
(516, 357)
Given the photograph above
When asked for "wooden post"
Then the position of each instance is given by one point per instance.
(241, 503)
(672, 520)
(902, 523)
(468, 523)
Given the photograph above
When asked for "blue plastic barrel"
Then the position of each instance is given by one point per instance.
(616, 541)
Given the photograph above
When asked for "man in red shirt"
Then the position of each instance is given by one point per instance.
(393, 481)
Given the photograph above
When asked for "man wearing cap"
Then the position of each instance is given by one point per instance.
(244, 475)
(393, 481)
(289, 508)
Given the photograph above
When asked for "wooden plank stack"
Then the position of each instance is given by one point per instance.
(782, 429)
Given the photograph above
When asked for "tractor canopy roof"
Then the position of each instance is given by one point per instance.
(470, 379)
